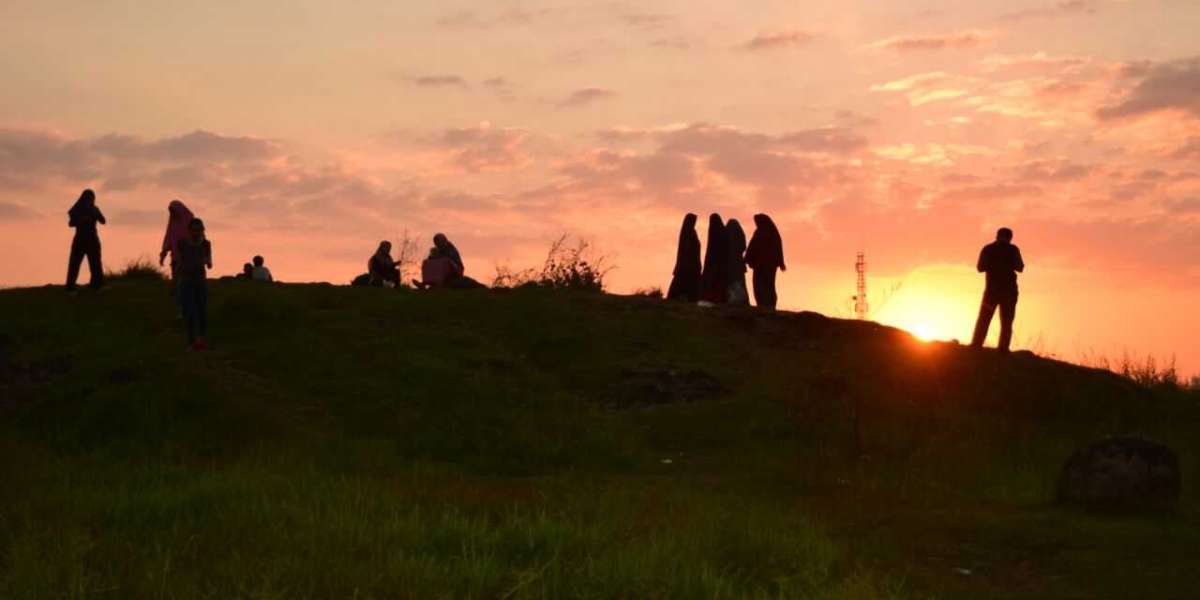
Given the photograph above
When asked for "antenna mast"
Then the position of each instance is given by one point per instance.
(861, 307)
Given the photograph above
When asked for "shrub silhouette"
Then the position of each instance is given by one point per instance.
(572, 267)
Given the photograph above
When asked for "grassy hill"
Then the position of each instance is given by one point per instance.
(343, 442)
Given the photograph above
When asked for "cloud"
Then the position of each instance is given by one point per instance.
(586, 97)
(1064, 8)
(948, 41)
(16, 212)
(779, 39)
(646, 20)
(1167, 86)
(438, 81)
(469, 19)
(484, 147)
(1056, 171)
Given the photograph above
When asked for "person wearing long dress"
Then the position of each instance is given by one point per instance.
(178, 219)
(764, 255)
(685, 280)
(714, 280)
(737, 264)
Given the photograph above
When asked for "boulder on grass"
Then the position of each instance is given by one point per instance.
(1121, 474)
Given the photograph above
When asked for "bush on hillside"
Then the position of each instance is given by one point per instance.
(570, 267)
(141, 268)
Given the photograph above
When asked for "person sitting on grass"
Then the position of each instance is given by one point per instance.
(260, 272)
(194, 256)
(439, 269)
(247, 272)
(382, 268)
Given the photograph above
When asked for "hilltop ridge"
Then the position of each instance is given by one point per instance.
(541, 443)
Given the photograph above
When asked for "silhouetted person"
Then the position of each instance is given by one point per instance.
(247, 272)
(447, 249)
(194, 257)
(259, 272)
(381, 267)
(737, 293)
(438, 270)
(84, 217)
(1001, 261)
(764, 255)
(714, 280)
(685, 280)
(178, 219)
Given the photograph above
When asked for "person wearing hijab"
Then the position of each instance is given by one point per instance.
(84, 217)
(381, 267)
(685, 280)
(178, 219)
(764, 255)
(446, 248)
(714, 280)
(737, 264)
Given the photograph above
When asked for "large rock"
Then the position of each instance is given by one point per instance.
(1121, 473)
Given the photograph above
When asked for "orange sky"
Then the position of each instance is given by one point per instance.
(307, 131)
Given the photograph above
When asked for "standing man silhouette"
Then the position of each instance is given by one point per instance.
(1001, 261)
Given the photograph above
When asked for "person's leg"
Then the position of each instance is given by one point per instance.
(1008, 313)
(201, 311)
(73, 263)
(188, 302)
(756, 281)
(95, 266)
(772, 294)
(986, 309)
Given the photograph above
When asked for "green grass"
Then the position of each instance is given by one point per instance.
(345, 442)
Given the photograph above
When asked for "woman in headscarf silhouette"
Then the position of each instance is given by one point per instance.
(178, 219)
(737, 265)
(764, 255)
(714, 281)
(685, 283)
(84, 216)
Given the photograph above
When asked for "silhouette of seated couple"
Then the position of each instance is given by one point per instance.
(443, 268)
(722, 277)
(255, 271)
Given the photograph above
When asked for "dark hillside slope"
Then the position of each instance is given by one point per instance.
(341, 441)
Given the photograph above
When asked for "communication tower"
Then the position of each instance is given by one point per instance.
(861, 308)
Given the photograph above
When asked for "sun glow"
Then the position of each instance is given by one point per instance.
(936, 303)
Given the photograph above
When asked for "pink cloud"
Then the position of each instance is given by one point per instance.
(779, 39)
(1168, 86)
(947, 41)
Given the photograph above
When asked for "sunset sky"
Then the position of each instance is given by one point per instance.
(308, 131)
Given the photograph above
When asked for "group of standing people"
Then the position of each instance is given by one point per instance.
(721, 278)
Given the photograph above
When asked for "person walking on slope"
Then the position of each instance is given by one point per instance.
(193, 255)
(84, 217)
(1001, 261)
(764, 255)
(178, 219)
(714, 279)
(737, 293)
(685, 280)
